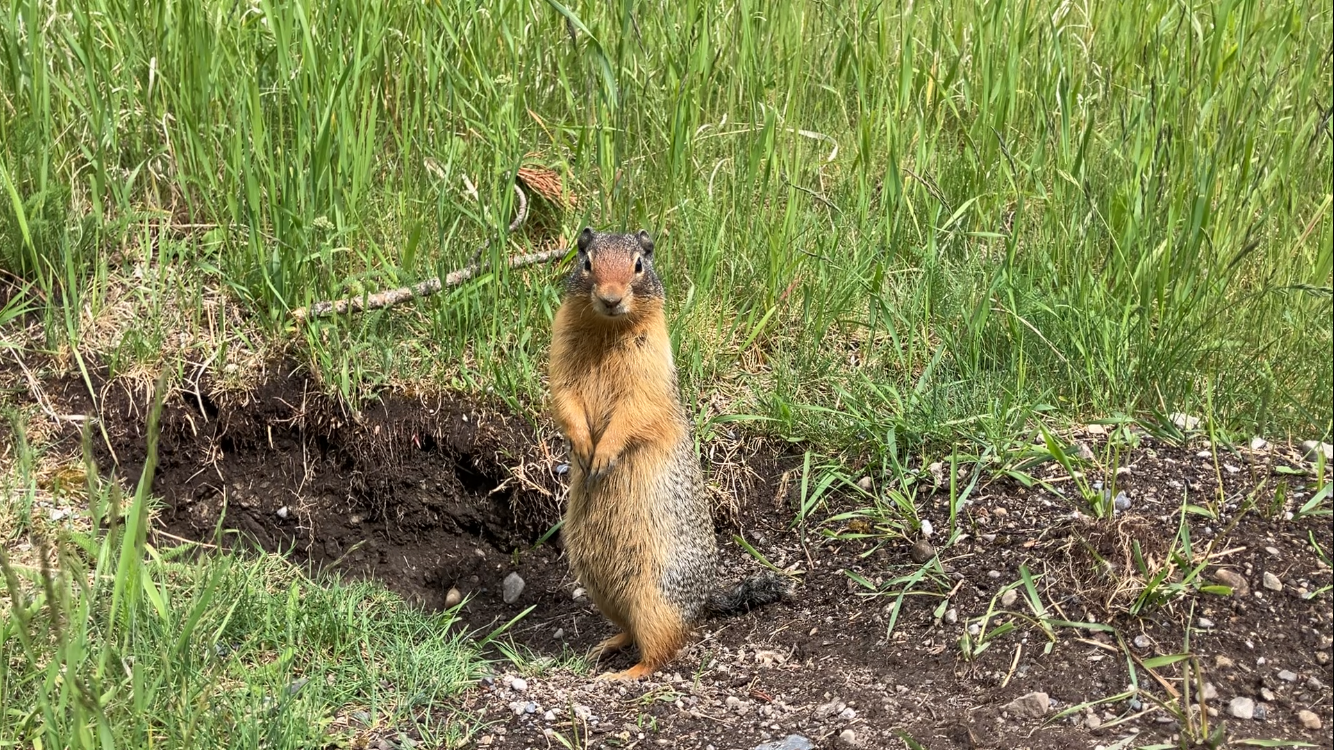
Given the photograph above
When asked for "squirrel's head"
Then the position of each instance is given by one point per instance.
(615, 273)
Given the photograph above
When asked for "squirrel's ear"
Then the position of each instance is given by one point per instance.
(585, 239)
(645, 242)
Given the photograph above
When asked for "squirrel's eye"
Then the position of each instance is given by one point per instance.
(588, 265)
(639, 265)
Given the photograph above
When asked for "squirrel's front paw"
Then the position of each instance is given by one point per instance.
(600, 464)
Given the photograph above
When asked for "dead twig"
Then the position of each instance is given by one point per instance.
(392, 297)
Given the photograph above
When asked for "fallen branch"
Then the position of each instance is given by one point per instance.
(391, 297)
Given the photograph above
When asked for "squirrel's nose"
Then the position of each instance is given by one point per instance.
(610, 301)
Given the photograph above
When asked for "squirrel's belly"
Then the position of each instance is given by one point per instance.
(645, 523)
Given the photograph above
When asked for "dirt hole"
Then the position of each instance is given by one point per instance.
(407, 491)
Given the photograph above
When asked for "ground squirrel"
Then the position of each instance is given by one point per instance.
(638, 529)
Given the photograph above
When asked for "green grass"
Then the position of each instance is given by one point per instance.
(943, 220)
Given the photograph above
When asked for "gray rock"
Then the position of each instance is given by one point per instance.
(848, 714)
(1308, 719)
(1261, 712)
(512, 588)
(1084, 452)
(1030, 706)
(1121, 503)
(1206, 623)
(865, 484)
(1266, 694)
(1184, 421)
(1241, 707)
(519, 685)
(951, 616)
(848, 738)
(790, 742)
(922, 552)
(1009, 598)
(283, 512)
(1272, 582)
(1210, 692)
(1313, 450)
(1232, 580)
(827, 710)
(1259, 443)
(1142, 642)
(1287, 675)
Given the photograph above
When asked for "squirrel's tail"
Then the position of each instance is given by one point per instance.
(754, 592)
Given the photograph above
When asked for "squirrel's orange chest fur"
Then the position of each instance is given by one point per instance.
(602, 370)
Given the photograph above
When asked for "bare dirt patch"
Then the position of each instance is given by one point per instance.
(440, 493)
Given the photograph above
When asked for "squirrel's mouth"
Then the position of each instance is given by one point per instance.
(618, 310)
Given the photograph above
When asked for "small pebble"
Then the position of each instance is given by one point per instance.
(1142, 642)
(1308, 719)
(1241, 707)
(452, 598)
(865, 484)
(1261, 712)
(283, 512)
(1031, 705)
(922, 552)
(1206, 623)
(1287, 676)
(1314, 450)
(848, 738)
(1232, 580)
(993, 574)
(790, 742)
(1184, 421)
(1272, 582)
(1009, 598)
(1267, 694)
(512, 588)
(519, 685)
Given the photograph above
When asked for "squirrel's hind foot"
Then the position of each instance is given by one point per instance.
(637, 672)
